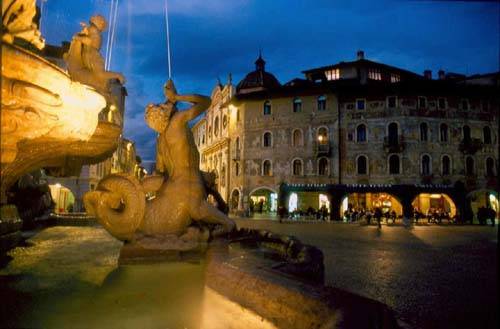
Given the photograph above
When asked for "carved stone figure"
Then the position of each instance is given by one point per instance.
(181, 197)
(17, 22)
(85, 63)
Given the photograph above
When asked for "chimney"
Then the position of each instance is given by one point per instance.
(428, 74)
(360, 54)
(441, 75)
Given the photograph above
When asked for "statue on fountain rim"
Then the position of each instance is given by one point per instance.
(85, 62)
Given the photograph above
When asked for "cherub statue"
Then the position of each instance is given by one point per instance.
(180, 193)
(85, 63)
(17, 22)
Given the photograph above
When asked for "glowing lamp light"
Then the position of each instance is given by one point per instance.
(435, 196)
(58, 185)
(320, 138)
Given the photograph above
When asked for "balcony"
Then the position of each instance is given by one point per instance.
(394, 145)
(322, 149)
(470, 146)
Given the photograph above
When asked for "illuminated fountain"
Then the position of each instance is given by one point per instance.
(49, 117)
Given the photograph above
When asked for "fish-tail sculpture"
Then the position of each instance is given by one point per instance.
(119, 204)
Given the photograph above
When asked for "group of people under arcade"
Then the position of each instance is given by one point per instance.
(433, 215)
(378, 214)
(310, 213)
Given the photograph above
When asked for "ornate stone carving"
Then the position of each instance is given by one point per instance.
(17, 22)
(46, 118)
(85, 63)
(165, 221)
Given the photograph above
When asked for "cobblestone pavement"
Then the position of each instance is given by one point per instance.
(432, 276)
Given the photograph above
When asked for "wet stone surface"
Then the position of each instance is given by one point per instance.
(432, 276)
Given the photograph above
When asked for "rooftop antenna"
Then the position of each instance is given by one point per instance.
(169, 57)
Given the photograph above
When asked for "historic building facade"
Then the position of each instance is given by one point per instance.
(358, 134)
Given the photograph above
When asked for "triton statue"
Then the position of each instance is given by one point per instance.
(163, 222)
(85, 63)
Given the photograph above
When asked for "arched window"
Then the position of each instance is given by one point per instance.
(297, 167)
(362, 165)
(487, 135)
(223, 176)
(394, 164)
(423, 132)
(267, 108)
(323, 167)
(323, 135)
(443, 132)
(297, 105)
(297, 138)
(237, 168)
(321, 103)
(466, 133)
(426, 165)
(237, 144)
(361, 133)
(267, 139)
(216, 126)
(266, 168)
(490, 167)
(469, 166)
(445, 165)
(393, 133)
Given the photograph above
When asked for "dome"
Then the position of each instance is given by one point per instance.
(258, 79)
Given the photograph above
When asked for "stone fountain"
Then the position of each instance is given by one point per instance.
(49, 117)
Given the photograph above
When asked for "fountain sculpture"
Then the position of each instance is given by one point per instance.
(49, 118)
(164, 222)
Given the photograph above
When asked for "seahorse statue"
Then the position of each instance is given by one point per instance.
(119, 201)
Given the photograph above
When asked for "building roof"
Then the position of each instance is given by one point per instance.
(361, 63)
(258, 79)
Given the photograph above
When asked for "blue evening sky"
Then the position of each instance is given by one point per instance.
(211, 38)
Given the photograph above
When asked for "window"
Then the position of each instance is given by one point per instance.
(333, 74)
(323, 135)
(469, 166)
(422, 102)
(423, 132)
(395, 78)
(216, 127)
(394, 164)
(442, 103)
(361, 133)
(466, 133)
(224, 121)
(490, 167)
(266, 168)
(426, 165)
(464, 104)
(374, 74)
(445, 165)
(297, 139)
(267, 108)
(267, 139)
(487, 135)
(393, 133)
(237, 115)
(237, 144)
(297, 167)
(297, 105)
(322, 103)
(323, 167)
(361, 164)
(237, 168)
(443, 133)
(485, 105)
(360, 104)
(392, 102)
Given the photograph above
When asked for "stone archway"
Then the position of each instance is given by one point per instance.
(235, 199)
(483, 198)
(263, 200)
